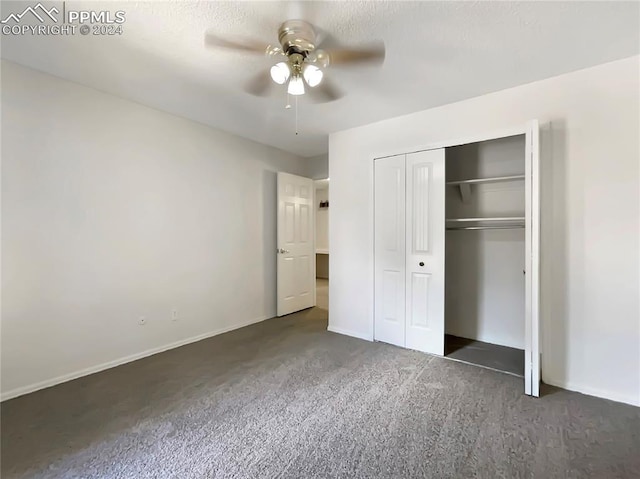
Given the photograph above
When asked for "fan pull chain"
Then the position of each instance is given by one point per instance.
(296, 100)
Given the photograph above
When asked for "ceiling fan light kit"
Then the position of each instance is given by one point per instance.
(296, 86)
(294, 70)
(281, 72)
(312, 75)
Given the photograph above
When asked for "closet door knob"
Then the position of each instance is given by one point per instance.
(421, 263)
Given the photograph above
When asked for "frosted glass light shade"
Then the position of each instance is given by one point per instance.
(280, 73)
(296, 86)
(312, 75)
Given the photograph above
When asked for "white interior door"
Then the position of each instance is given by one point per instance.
(296, 249)
(389, 247)
(425, 251)
(532, 262)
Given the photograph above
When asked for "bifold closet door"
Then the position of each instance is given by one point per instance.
(409, 250)
(389, 250)
(425, 249)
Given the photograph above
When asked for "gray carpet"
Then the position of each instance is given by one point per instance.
(285, 398)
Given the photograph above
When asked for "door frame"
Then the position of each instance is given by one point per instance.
(316, 206)
(532, 227)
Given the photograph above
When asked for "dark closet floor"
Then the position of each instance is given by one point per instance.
(502, 358)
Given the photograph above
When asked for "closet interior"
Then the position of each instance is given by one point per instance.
(485, 254)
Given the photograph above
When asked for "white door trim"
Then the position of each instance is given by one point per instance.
(532, 260)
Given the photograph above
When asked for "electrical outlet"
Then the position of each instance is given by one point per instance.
(142, 320)
(174, 314)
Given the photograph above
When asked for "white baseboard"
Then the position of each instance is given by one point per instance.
(347, 332)
(634, 401)
(589, 391)
(117, 362)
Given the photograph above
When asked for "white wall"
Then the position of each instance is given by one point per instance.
(318, 167)
(590, 216)
(112, 211)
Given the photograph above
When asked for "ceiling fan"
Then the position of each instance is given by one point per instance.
(301, 63)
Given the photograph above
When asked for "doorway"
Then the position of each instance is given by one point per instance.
(322, 243)
(485, 254)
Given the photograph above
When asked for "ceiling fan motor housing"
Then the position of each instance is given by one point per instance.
(297, 36)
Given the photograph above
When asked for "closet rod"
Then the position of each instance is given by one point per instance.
(475, 220)
(494, 227)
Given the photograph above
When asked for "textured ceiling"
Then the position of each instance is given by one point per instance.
(437, 53)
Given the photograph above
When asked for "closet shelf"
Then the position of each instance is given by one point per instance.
(498, 223)
(465, 185)
(476, 181)
(496, 219)
(487, 227)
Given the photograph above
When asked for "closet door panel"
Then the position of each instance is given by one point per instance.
(425, 244)
(389, 239)
(420, 300)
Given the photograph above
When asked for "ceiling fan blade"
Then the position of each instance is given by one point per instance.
(247, 45)
(324, 39)
(260, 84)
(326, 92)
(350, 56)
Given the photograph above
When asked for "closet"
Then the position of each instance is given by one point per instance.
(455, 252)
(484, 258)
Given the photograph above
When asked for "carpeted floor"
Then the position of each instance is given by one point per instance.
(285, 398)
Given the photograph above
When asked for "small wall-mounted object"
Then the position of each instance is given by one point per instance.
(324, 204)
